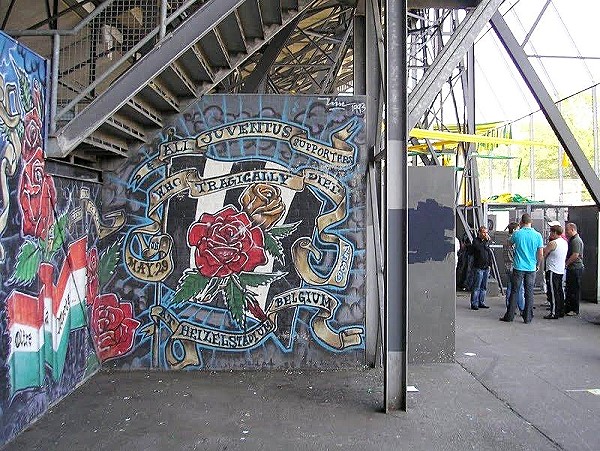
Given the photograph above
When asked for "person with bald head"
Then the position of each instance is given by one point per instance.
(574, 270)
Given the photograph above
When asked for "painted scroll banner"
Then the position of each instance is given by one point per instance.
(338, 154)
(116, 218)
(188, 334)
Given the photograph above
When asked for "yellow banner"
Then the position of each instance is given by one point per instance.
(464, 137)
(114, 220)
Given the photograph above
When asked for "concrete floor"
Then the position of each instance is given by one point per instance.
(513, 386)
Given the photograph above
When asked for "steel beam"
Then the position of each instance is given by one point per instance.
(447, 4)
(421, 98)
(272, 50)
(375, 60)
(396, 232)
(359, 55)
(134, 80)
(557, 122)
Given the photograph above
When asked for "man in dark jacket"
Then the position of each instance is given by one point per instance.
(574, 269)
(482, 259)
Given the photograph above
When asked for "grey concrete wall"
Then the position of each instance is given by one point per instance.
(431, 264)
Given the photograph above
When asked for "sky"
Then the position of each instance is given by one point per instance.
(563, 30)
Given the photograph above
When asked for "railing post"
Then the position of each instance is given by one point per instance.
(163, 20)
(54, 81)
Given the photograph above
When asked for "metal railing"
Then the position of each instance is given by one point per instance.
(88, 58)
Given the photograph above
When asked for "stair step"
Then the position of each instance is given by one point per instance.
(251, 20)
(196, 65)
(124, 128)
(141, 112)
(271, 12)
(179, 82)
(157, 93)
(214, 49)
(232, 33)
(103, 141)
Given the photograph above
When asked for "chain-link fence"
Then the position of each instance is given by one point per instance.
(102, 46)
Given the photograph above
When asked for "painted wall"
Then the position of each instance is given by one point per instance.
(244, 243)
(49, 229)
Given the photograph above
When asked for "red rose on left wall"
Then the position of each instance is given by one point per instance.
(113, 326)
(32, 135)
(37, 195)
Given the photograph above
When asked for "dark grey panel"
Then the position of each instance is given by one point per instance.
(431, 264)
(586, 218)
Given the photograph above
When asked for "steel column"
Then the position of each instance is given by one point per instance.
(163, 20)
(54, 82)
(374, 81)
(421, 98)
(531, 158)
(557, 122)
(595, 127)
(359, 54)
(396, 258)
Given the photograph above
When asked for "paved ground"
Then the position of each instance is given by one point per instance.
(514, 386)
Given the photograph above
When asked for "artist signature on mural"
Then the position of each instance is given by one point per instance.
(337, 104)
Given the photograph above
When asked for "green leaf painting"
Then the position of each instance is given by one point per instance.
(274, 247)
(28, 262)
(60, 232)
(108, 262)
(191, 284)
(235, 300)
(284, 230)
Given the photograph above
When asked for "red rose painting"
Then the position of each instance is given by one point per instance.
(113, 326)
(37, 195)
(32, 136)
(226, 243)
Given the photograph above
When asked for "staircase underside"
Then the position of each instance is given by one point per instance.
(210, 46)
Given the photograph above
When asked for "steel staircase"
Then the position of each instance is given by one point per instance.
(131, 63)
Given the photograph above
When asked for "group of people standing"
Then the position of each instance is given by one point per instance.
(524, 255)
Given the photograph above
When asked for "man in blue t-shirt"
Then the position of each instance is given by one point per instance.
(529, 247)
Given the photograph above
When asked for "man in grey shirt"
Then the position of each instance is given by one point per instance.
(574, 269)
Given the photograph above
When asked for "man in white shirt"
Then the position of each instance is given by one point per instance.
(555, 253)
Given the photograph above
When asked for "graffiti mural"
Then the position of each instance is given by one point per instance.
(49, 230)
(246, 235)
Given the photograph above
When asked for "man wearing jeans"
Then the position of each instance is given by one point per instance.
(527, 261)
(509, 256)
(555, 254)
(480, 249)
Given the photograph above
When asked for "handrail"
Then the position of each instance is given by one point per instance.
(85, 53)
